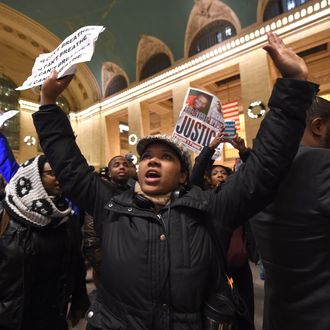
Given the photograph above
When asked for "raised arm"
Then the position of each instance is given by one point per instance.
(57, 140)
(8, 163)
(255, 184)
(238, 143)
(204, 161)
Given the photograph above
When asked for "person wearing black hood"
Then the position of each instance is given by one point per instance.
(40, 252)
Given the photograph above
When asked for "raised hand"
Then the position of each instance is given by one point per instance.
(53, 87)
(285, 59)
(238, 143)
(219, 138)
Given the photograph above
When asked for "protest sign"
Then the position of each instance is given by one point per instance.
(76, 48)
(4, 116)
(199, 121)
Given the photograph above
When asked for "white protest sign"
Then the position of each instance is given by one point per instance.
(4, 116)
(77, 48)
(199, 121)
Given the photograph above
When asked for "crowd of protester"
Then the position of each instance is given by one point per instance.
(153, 236)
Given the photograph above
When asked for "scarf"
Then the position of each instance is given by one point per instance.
(159, 200)
(27, 200)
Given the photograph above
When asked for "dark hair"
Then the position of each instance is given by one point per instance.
(113, 158)
(41, 162)
(319, 108)
(227, 169)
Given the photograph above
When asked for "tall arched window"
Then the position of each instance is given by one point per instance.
(155, 64)
(278, 7)
(210, 35)
(9, 101)
(117, 84)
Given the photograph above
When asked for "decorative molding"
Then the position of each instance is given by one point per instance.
(313, 17)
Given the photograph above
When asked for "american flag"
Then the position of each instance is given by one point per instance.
(230, 112)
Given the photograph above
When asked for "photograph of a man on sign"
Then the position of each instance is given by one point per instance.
(199, 121)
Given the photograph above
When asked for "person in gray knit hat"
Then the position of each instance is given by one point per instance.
(159, 253)
(40, 255)
(177, 146)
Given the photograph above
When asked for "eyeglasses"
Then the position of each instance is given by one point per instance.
(49, 173)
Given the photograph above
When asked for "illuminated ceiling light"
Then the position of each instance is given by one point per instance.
(297, 15)
(317, 6)
(310, 9)
(216, 52)
(228, 46)
(237, 42)
(290, 18)
(273, 26)
(257, 33)
(207, 55)
(262, 31)
(224, 48)
(219, 50)
(246, 38)
(284, 20)
(323, 4)
(232, 44)
(278, 23)
(252, 35)
(267, 28)
(193, 62)
(242, 40)
(212, 53)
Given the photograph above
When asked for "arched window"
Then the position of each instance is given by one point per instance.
(117, 84)
(210, 35)
(155, 64)
(63, 104)
(9, 101)
(278, 7)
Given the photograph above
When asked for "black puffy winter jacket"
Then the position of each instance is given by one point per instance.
(40, 269)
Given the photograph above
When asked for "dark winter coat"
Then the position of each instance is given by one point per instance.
(40, 268)
(157, 268)
(293, 237)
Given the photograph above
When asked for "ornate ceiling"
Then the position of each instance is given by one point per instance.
(126, 21)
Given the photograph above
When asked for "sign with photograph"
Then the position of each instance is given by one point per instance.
(199, 121)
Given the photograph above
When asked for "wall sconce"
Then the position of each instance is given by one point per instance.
(254, 114)
(30, 140)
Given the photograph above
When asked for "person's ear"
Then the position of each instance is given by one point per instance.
(317, 126)
(183, 177)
